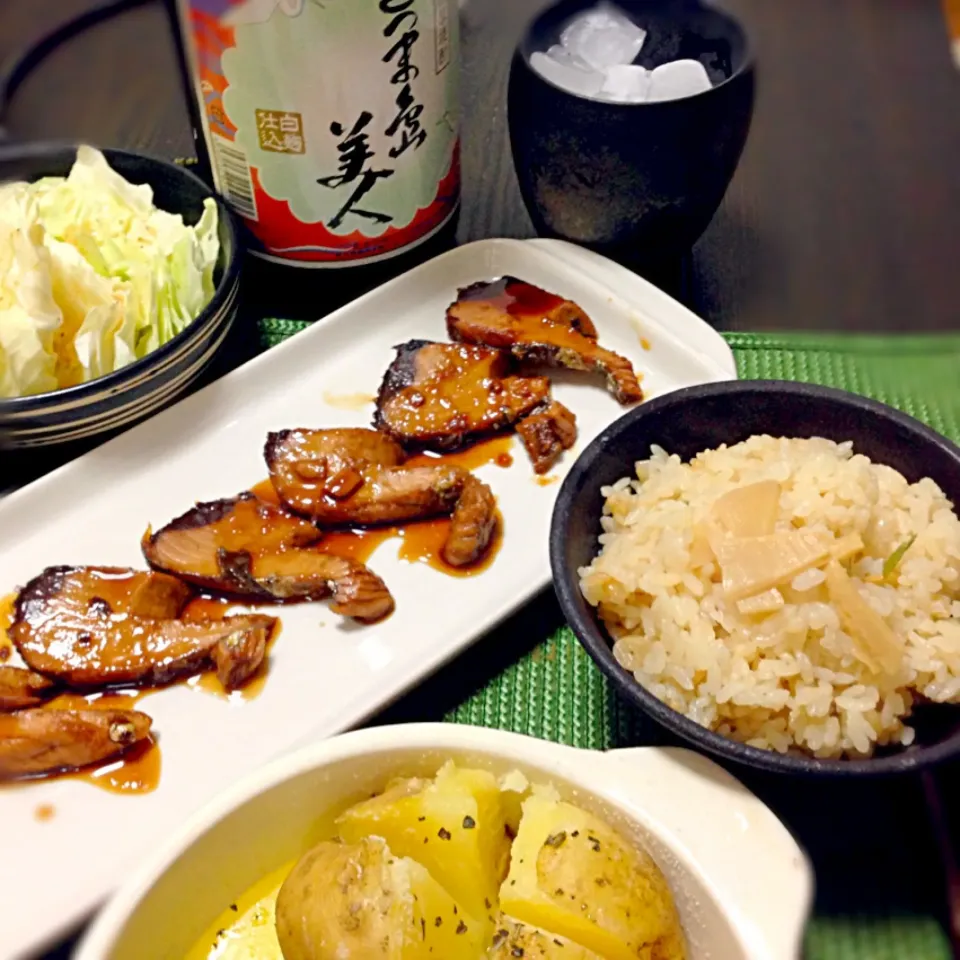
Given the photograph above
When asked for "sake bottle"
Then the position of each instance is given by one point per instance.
(330, 126)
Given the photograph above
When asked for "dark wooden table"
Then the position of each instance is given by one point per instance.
(843, 216)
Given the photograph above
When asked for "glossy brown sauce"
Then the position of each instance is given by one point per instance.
(118, 589)
(515, 297)
(265, 491)
(421, 542)
(546, 481)
(6, 621)
(357, 544)
(137, 770)
(496, 451)
(537, 316)
(206, 607)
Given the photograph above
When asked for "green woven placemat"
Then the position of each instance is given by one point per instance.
(877, 869)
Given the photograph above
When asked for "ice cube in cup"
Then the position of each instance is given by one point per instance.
(677, 79)
(603, 37)
(625, 83)
(567, 75)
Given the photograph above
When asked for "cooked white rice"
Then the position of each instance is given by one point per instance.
(791, 678)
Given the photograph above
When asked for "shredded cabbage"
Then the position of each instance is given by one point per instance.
(93, 275)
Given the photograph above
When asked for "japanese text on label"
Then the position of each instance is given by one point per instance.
(280, 131)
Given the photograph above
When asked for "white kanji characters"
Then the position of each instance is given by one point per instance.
(280, 131)
(293, 143)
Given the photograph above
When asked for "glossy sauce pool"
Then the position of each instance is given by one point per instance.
(515, 297)
(421, 542)
(137, 770)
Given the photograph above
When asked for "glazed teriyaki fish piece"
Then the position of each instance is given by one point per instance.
(85, 628)
(352, 476)
(39, 741)
(538, 327)
(246, 547)
(442, 396)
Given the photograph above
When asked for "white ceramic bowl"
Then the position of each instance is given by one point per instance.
(742, 885)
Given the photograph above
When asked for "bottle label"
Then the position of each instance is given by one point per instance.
(332, 125)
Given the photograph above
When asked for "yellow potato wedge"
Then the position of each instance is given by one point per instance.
(575, 877)
(453, 825)
(513, 939)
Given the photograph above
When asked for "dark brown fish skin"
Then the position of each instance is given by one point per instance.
(561, 311)
(192, 545)
(139, 593)
(307, 469)
(21, 688)
(246, 548)
(562, 336)
(441, 396)
(356, 590)
(91, 645)
(546, 433)
(39, 741)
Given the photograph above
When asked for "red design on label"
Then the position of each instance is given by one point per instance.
(212, 39)
(281, 232)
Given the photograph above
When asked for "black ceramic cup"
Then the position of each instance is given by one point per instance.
(687, 422)
(638, 182)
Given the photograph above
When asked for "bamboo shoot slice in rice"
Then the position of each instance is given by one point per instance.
(770, 601)
(846, 547)
(751, 565)
(875, 643)
(748, 511)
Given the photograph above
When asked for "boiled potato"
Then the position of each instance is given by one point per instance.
(574, 876)
(453, 825)
(514, 939)
(514, 789)
(360, 900)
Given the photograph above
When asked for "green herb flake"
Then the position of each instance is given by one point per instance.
(469, 823)
(556, 839)
(893, 561)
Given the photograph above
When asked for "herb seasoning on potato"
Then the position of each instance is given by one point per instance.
(459, 865)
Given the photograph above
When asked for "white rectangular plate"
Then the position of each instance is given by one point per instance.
(325, 675)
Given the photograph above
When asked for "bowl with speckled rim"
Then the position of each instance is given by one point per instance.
(687, 422)
(102, 407)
